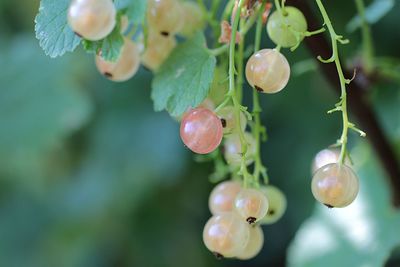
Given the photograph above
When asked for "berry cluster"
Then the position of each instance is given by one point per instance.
(94, 20)
(241, 205)
(235, 230)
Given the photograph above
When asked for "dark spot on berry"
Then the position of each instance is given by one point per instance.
(329, 206)
(251, 220)
(79, 35)
(218, 256)
(271, 212)
(108, 75)
(259, 89)
(165, 33)
(223, 122)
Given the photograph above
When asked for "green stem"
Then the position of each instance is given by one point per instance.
(258, 166)
(368, 47)
(240, 67)
(335, 58)
(232, 93)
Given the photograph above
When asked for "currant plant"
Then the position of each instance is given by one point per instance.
(200, 82)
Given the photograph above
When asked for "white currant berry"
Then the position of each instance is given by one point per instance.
(325, 157)
(255, 244)
(193, 19)
(287, 29)
(201, 130)
(228, 119)
(335, 185)
(92, 19)
(125, 67)
(277, 204)
(164, 16)
(226, 235)
(223, 196)
(157, 50)
(268, 71)
(233, 149)
(251, 204)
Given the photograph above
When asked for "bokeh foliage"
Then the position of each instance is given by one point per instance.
(91, 176)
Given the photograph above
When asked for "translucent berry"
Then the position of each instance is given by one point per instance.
(287, 30)
(193, 19)
(158, 49)
(223, 196)
(325, 157)
(255, 244)
(201, 130)
(228, 118)
(226, 235)
(164, 16)
(92, 19)
(233, 149)
(268, 71)
(277, 204)
(251, 204)
(335, 185)
(125, 67)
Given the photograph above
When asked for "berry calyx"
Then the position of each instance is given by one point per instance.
(92, 19)
(335, 185)
(201, 130)
(268, 71)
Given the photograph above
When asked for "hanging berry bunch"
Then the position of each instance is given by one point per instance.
(200, 82)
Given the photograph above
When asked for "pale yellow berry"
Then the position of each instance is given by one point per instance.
(164, 16)
(226, 235)
(277, 204)
(92, 19)
(125, 67)
(233, 149)
(193, 19)
(223, 196)
(268, 71)
(228, 118)
(158, 49)
(256, 242)
(335, 185)
(251, 205)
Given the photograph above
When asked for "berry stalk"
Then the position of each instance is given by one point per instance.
(342, 105)
(232, 91)
(259, 168)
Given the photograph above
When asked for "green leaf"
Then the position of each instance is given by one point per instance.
(362, 234)
(373, 13)
(184, 79)
(110, 47)
(135, 10)
(55, 36)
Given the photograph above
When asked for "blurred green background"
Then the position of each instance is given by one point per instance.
(91, 176)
